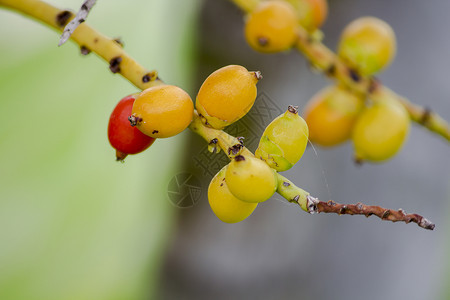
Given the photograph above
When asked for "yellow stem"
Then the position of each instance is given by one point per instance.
(323, 59)
(246, 5)
(89, 39)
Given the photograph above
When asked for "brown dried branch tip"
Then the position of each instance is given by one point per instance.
(317, 206)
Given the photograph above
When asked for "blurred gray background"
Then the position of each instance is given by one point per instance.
(280, 252)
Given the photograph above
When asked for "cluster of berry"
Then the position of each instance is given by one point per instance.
(224, 97)
(235, 191)
(247, 180)
(166, 110)
(336, 114)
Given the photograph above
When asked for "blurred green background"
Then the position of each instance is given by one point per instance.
(76, 225)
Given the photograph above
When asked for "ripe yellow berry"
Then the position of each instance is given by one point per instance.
(271, 27)
(367, 44)
(227, 95)
(284, 140)
(380, 131)
(250, 179)
(331, 115)
(310, 13)
(162, 111)
(225, 206)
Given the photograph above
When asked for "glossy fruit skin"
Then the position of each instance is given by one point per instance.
(284, 141)
(331, 115)
(250, 179)
(122, 136)
(163, 111)
(380, 131)
(271, 27)
(227, 95)
(311, 14)
(368, 44)
(224, 204)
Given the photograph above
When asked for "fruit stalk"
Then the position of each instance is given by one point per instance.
(108, 49)
(326, 61)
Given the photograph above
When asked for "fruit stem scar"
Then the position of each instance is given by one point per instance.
(293, 109)
(134, 120)
(354, 75)
(63, 18)
(84, 50)
(239, 158)
(263, 41)
(114, 64)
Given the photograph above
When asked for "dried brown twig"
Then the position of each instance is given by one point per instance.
(317, 206)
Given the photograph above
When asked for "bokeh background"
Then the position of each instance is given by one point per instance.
(74, 224)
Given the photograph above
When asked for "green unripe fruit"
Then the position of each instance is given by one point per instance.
(367, 44)
(284, 140)
(225, 206)
(250, 179)
(380, 131)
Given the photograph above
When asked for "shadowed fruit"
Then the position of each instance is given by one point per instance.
(380, 131)
(331, 115)
(224, 204)
(367, 44)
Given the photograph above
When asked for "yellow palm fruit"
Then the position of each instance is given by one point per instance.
(310, 13)
(380, 131)
(271, 27)
(250, 179)
(284, 140)
(367, 44)
(331, 115)
(162, 111)
(227, 95)
(225, 206)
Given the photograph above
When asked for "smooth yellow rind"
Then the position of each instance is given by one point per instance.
(224, 204)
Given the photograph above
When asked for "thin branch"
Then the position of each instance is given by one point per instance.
(79, 18)
(317, 206)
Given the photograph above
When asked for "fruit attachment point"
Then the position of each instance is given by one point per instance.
(239, 158)
(258, 75)
(133, 120)
(293, 109)
(120, 156)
